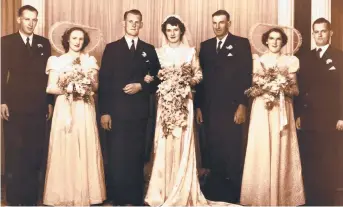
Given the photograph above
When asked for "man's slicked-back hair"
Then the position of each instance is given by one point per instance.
(26, 7)
(320, 21)
(222, 12)
(133, 11)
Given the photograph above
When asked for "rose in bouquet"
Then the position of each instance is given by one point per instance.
(271, 84)
(173, 92)
(78, 83)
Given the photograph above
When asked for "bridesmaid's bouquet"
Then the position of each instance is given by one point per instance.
(272, 84)
(77, 85)
(173, 94)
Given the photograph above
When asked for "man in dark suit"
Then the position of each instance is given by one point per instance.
(319, 108)
(124, 107)
(221, 104)
(24, 108)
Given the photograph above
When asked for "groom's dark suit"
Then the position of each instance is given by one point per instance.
(129, 113)
(226, 76)
(23, 85)
(320, 106)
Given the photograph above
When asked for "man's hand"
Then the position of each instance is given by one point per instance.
(50, 112)
(240, 114)
(339, 125)
(198, 116)
(106, 122)
(132, 88)
(4, 112)
(298, 123)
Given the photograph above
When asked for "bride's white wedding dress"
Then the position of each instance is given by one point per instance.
(174, 178)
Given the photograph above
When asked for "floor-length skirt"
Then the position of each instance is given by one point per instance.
(272, 169)
(75, 174)
(174, 178)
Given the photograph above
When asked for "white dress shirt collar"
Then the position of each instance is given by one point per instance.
(24, 37)
(129, 41)
(223, 40)
(324, 48)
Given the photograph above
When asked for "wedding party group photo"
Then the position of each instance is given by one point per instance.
(171, 103)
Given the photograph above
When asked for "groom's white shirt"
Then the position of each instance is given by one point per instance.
(129, 41)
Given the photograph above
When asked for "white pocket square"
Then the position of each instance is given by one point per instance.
(332, 68)
(229, 54)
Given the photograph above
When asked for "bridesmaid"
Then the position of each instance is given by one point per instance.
(75, 175)
(272, 170)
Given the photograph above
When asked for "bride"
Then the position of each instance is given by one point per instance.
(174, 180)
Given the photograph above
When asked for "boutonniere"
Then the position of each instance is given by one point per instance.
(144, 54)
(229, 47)
(39, 45)
(328, 61)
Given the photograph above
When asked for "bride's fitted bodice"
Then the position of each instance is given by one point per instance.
(175, 57)
(283, 62)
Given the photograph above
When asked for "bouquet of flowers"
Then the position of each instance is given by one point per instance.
(172, 93)
(78, 84)
(272, 84)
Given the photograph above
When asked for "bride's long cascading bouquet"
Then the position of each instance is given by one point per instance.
(172, 93)
(77, 85)
(272, 84)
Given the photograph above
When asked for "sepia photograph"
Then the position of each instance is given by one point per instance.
(171, 103)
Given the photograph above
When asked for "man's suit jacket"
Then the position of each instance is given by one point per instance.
(120, 67)
(226, 75)
(23, 78)
(320, 102)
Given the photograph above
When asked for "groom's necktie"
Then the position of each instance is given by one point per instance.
(132, 48)
(218, 46)
(318, 52)
(28, 46)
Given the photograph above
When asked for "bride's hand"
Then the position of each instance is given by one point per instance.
(148, 78)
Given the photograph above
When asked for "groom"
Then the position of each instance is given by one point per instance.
(124, 108)
(221, 104)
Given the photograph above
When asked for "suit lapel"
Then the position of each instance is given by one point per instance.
(139, 48)
(229, 41)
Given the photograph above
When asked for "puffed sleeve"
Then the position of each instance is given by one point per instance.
(256, 63)
(92, 63)
(52, 64)
(52, 69)
(196, 69)
(293, 64)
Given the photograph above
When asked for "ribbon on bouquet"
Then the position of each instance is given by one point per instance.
(282, 111)
(68, 115)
